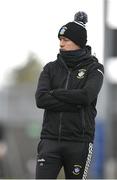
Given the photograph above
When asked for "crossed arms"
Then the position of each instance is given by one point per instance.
(70, 100)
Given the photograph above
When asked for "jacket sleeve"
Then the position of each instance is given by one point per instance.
(87, 94)
(45, 100)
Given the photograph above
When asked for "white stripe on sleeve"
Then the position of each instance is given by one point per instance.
(100, 72)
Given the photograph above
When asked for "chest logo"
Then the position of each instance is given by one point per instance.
(81, 73)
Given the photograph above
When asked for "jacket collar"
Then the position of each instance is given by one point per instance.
(83, 59)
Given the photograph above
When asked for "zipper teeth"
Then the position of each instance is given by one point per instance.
(66, 85)
(67, 80)
(60, 127)
(83, 121)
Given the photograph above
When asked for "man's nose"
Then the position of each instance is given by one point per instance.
(61, 43)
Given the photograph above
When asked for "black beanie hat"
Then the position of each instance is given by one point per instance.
(76, 31)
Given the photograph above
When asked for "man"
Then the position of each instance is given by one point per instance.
(68, 90)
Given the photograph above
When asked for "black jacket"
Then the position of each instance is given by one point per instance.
(69, 98)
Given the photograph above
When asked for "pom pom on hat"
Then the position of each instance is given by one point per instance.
(81, 16)
(75, 30)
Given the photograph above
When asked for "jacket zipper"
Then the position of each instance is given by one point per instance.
(61, 114)
(66, 85)
(83, 121)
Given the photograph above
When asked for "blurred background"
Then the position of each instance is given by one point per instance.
(28, 40)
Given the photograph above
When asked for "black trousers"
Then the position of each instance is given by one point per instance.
(75, 157)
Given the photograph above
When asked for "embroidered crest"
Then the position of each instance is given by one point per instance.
(41, 161)
(81, 73)
(76, 169)
(63, 29)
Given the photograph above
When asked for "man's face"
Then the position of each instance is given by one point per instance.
(67, 45)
